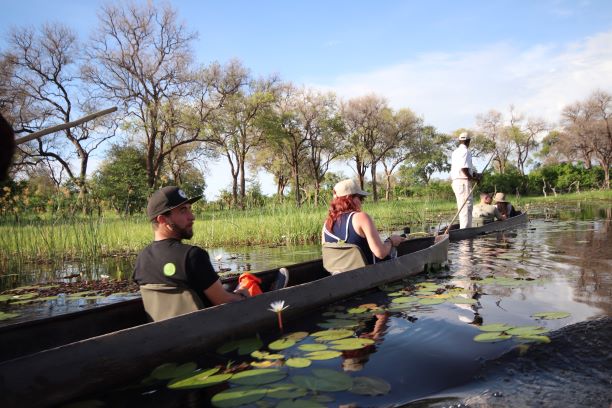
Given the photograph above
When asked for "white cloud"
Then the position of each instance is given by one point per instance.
(448, 89)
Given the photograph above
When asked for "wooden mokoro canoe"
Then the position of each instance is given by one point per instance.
(60, 374)
(457, 234)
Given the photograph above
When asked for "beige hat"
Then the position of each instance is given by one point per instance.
(348, 187)
(464, 136)
(500, 198)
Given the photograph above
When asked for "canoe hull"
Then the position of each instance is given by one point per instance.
(467, 233)
(79, 368)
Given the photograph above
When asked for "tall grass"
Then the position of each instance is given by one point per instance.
(89, 238)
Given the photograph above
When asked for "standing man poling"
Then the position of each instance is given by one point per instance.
(176, 278)
(463, 176)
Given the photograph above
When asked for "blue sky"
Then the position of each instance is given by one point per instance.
(448, 61)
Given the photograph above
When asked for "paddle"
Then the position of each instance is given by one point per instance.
(469, 194)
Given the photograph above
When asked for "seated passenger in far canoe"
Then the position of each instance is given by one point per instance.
(347, 223)
(485, 212)
(505, 208)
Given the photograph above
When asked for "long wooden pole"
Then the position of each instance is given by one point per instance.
(63, 126)
(469, 194)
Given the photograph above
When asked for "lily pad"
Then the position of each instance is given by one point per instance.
(492, 337)
(323, 355)
(351, 344)
(535, 338)
(234, 397)
(431, 301)
(462, 301)
(495, 327)
(258, 376)
(324, 379)
(281, 344)
(169, 371)
(527, 331)
(264, 355)
(296, 336)
(312, 347)
(338, 324)
(201, 379)
(370, 386)
(244, 346)
(405, 299)
(329, 335)
(551, 315)
(264, 364)
(298, 362)
(391, 287)
(284, 391)
(357, 310)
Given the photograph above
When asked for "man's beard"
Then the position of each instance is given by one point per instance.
(183, 233)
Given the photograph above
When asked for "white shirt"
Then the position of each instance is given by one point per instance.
(460, 159)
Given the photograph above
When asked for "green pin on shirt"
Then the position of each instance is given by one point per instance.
(169, 269)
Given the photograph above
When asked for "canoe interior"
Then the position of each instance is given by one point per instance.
(32, 336)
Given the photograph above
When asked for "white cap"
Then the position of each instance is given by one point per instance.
(348, 187)
(464, 136)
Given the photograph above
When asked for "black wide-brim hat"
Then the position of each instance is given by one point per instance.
(166, 199)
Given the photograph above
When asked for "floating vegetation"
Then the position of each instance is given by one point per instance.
(323, 379)
(500, 332)
(237, 396)
(243, 346)
(551, 315)
(298, 362)
(6, 316)
(258, 376)
(281, 344)
(323, 355)
(370, 386)
(200, 379)
(169, 371)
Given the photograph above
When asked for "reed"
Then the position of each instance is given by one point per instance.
(88, 238)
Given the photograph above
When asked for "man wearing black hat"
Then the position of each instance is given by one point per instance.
(176, 278)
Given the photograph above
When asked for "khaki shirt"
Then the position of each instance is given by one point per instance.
(486, 213)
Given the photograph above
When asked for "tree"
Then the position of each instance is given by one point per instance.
(587, 124)
(288, 132)
(324, 130)
(141, 58)
(409, 138)
(491, 126)
(46, 84)
(601, 103)
(122, 179)
(367, 120)
(235, 127)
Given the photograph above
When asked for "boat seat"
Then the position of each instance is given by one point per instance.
(342, 257)
(162, 301)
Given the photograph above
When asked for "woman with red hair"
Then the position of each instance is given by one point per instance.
(347, 223)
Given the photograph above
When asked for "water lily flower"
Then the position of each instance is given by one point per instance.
(278, 307)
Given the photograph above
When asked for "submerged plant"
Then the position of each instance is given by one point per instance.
(278, 307)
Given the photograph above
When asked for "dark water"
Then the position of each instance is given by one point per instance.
(427, 355)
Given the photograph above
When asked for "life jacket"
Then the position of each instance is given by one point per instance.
(250, 282)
